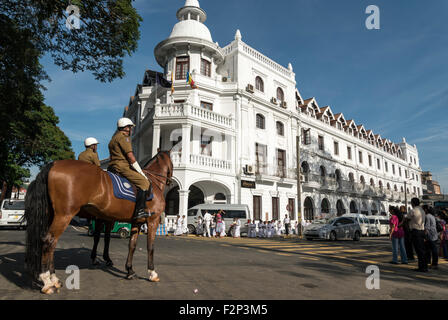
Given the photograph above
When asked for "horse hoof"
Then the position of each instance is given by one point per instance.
(155, 280)
(58, 285)
(95, 262)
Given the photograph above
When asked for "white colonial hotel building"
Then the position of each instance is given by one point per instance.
(233, 138)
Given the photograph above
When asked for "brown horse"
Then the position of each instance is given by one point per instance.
(64, 188)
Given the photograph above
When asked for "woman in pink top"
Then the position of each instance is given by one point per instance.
(219, 225)
(397, 236)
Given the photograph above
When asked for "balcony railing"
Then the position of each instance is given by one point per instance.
(201, 161)
(275, 171)
(186, 110)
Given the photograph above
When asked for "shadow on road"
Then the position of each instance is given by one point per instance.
(12, 265)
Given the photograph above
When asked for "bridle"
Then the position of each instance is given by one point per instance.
(157, 176)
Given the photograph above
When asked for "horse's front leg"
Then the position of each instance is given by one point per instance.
(152, 230)
(106, 257)
(132, 246)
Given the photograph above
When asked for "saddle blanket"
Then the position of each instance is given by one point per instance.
(123, 189)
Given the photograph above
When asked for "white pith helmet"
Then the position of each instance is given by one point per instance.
(90, 142)
(124, 122)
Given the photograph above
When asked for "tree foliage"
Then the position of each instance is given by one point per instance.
(109, 30)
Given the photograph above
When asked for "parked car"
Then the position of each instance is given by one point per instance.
(379, 226)
(362, 220)
(12, 213)
(240, 211)
(123, 229)
(334, 229)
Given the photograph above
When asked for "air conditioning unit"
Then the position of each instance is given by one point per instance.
(250, 88)
(284, 104)
(224, 79)
(249, 169)
(274, 100)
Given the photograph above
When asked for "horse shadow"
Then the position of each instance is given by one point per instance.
(12, 266)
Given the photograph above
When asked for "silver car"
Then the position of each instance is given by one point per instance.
(334, 229)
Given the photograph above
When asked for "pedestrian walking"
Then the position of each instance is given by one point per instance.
(213, 226)
(432, 239)
(207, 223)
(417, 226)
(407, 236)
(223, 231)
(397, 236)
(200, 227)
(287, 223)
(184, 225)
(178, 231)
(279, 228)
(219, 224)
(443, 252)
(237, 228)
(251, 232)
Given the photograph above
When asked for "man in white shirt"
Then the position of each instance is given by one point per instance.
(207, 219)
(287, 223)
(417, 226)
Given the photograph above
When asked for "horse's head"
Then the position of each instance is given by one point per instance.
(161, 166)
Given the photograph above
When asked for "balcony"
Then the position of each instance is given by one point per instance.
(268, 172)
(186, 111)
(202, 162)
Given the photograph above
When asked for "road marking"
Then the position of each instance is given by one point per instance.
(284, 254)
(367, 261)
(343, 264)
(309, 258)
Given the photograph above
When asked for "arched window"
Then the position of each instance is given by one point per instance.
(353, 207)
(323, 171)
(380, 183)
(340, 208)
(363, 181)
(261, 123)
(220, 196)
(259, 84)
(372, 183)
(388, 186)
(280, 128)
(325, 206)
(280, 95)
(309, 209)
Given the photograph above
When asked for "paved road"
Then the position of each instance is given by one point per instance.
(228, 269)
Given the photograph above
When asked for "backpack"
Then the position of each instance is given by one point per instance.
(439, 226)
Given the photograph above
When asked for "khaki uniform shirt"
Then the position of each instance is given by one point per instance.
(90, 157)
(119, 147)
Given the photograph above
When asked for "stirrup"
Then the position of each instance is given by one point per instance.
(141, 214)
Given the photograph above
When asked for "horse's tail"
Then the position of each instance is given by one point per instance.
(38, 216)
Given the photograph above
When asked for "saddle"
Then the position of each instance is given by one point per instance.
(125, 190)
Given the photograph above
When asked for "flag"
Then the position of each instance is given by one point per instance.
(190, 81)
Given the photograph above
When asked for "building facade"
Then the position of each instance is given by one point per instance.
(239, 133)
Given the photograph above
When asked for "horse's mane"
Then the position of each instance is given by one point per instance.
(147, 163)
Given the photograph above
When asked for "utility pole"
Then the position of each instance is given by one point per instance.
(299, 188)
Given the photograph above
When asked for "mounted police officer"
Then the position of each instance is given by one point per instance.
(123, 162)
(90, 155)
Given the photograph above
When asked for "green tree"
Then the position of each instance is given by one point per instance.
(109, 29)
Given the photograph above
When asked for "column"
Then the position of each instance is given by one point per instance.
(155, 139)
(183, 202)
(186, 136)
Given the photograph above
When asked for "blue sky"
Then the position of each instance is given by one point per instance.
(393, 80)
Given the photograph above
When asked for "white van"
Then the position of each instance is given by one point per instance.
(12, 213)
(362, 220)
(379, 226)
(240, 211)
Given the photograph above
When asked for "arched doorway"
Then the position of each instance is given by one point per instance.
(374, 209)
(353, 207)
(340, 208)
(195, 197)
(309, 209)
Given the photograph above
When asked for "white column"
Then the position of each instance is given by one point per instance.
(183, 202)
(186, 136)
(155, 139)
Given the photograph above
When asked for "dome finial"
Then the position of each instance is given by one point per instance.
(192, 3)
(238, 35)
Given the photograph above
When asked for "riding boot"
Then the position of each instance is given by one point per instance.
(140, 205)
